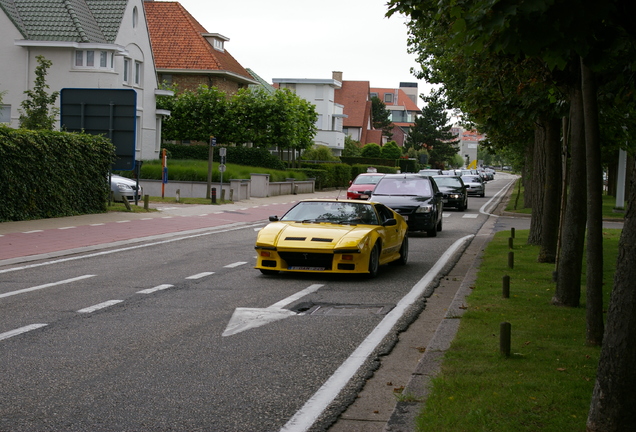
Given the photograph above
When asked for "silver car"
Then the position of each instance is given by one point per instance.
(474, 185)
(124, 187)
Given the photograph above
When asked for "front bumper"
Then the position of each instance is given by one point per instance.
(311, 261)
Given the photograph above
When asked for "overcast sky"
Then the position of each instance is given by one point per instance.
(310, 39)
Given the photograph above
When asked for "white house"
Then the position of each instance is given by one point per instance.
(91, 44)
(320, 92)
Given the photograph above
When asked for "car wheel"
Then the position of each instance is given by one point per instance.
(374, 261)
(432, 232)
(404, 251)
(439, 224)
(462, 206)
(483, 194)
(269, 272)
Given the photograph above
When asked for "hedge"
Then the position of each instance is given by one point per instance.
(251, 156)
(51, 174)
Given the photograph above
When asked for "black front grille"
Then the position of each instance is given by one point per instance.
(305, 259)
(404, 210)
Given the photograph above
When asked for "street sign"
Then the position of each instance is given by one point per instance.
(108, 112)
(221, 168)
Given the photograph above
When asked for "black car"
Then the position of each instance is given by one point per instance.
(454, 191)
(416, 197)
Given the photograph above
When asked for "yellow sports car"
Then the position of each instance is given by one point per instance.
(333, 236)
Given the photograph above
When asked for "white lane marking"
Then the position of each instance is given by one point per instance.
(99, 306)
(236, 264)
(11, 333)
(470, 216)
(31, 232)
(215, 230)
(39, 287)
(98, 224)
(200, 275)
(445, 214)
(146, 219)
(155, 289)
(122, 221)
(248, 318)
(314, 407)
(166, 217)
(500, 192)
(68, 227)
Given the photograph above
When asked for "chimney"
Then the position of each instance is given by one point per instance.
(336, 75)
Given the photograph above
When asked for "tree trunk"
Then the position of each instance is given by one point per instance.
(614, 398)
(551, 192)
(528, 170)
(570, 263)
(594, 243)
(538, 179)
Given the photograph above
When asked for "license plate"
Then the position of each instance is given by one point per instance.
(405, 218)
(364, 196)
(306, 268)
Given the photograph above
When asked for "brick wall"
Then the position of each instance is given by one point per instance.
(192, 82)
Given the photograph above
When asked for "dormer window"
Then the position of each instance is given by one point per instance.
(216, 40)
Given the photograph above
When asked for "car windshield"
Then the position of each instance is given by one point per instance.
(367, 179)
(404, 186)
(448, 181)
(471, 179)
(338, 212)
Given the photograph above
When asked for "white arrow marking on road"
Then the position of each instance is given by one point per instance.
(248, 318)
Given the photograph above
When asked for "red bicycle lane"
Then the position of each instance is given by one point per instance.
(37, 239)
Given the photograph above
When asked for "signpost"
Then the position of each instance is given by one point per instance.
(222, 152)
(210, 161)
(164, 171)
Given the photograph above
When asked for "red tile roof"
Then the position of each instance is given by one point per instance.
(354, 96)
(178, 43)
(402, 98)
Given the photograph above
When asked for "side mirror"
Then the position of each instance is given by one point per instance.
(390, 222)
(368, 192)
(439, 194)
(273, 218)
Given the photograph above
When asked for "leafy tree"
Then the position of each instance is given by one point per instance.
(391, 150)
(197, 115)
(372, 150)
(35, 113)
(381, 117)
(351, 147)
(433, 131)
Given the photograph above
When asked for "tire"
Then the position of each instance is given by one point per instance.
(374, 261)
(462, 206)
(432, 232)
(269, 272)
(404, 251)
(439, 224)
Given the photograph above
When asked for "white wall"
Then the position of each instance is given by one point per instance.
(19, 63)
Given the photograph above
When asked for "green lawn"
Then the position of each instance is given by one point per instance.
(546, 384)
(515, 204)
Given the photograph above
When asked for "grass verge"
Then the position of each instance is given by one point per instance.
(515, 204)
(546, 384)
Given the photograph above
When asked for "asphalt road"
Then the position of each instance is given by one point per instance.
(181, 333)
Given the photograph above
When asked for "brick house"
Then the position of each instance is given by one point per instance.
(187, 55)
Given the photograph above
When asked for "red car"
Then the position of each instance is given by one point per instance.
(365, 182)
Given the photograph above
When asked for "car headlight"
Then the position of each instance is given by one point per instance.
(123, 187)
(424, 209)
(455, 196)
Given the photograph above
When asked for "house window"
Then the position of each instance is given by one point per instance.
(135, 17)
(126, 70)
(137, 73)
(218, 44)
(90, 59)
(388, 97)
